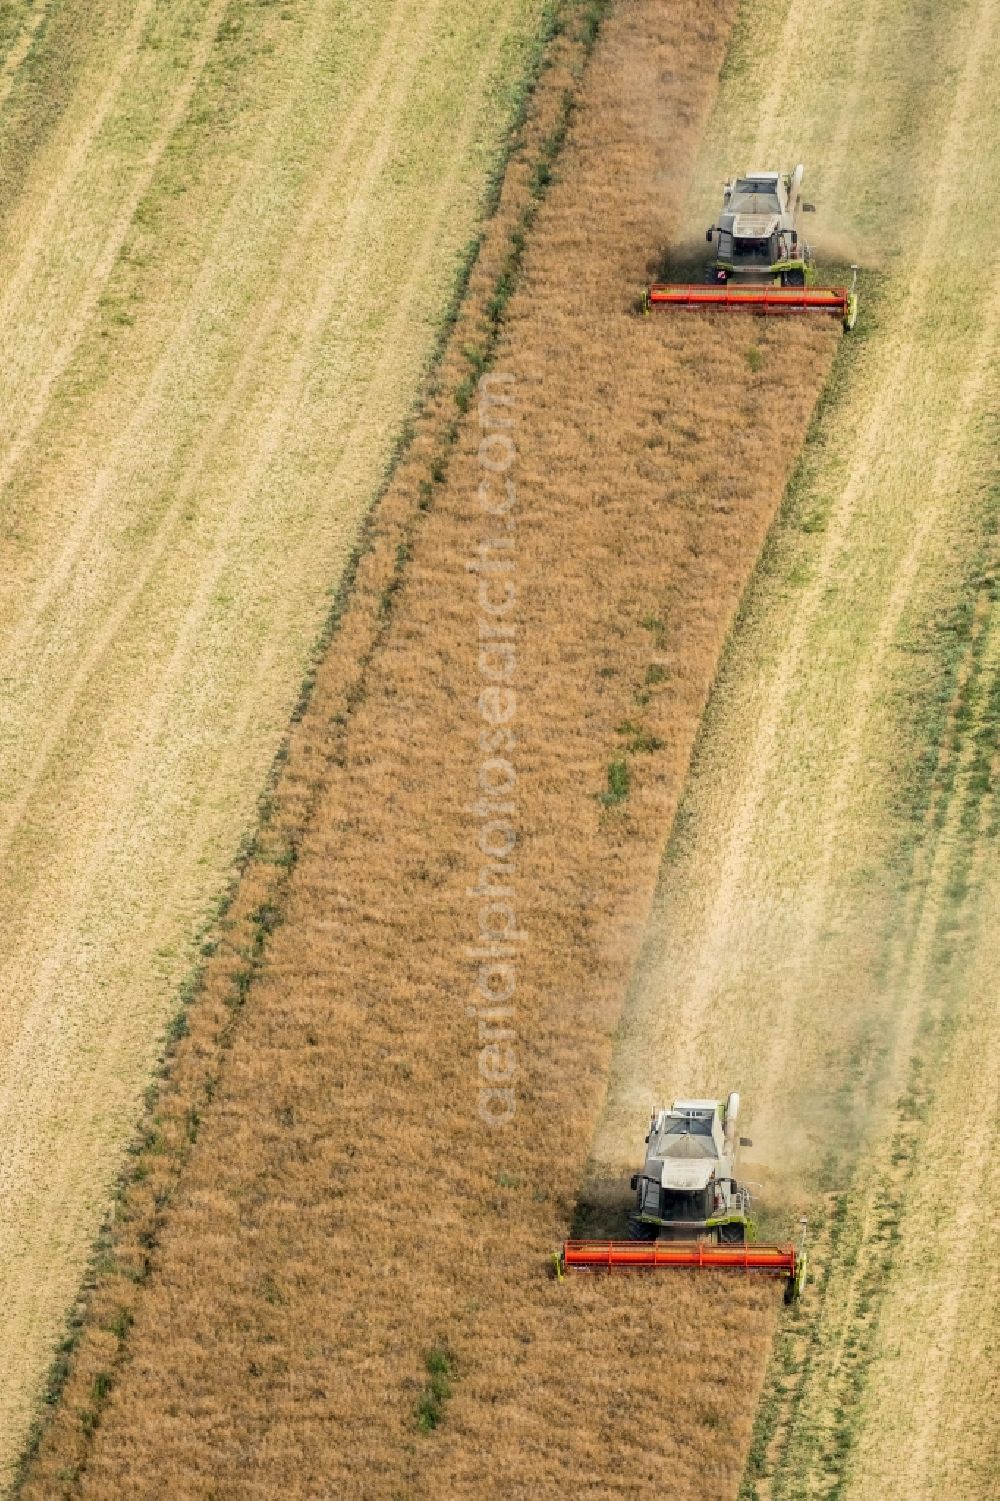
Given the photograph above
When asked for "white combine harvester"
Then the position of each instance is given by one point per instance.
(688, 1185)
(762, 262)
(690, 1210)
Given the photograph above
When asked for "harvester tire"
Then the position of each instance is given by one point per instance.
(793, 279)
(732, 1235)
(640, 1230)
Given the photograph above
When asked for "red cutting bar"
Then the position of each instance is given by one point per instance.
(769, 299)
(627, 1255)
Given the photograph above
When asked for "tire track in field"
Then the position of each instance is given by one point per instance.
(20, 50)
(768, 146)
(816, 1460)
(897, 357)
(839, 153)
(935, 1259)
(867, 18)
(849, 1258)
(13, 292)
(873, 674)
(264, 328)
(808, 1457)
(977, 1066)
(97, 279)
(796, 17)
(18, 642)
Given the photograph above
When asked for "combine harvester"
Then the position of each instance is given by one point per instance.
(690, 1211)
(761, 260)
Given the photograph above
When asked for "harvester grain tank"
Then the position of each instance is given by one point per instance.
(690, 1210)
(762, 260)
(687, 1185)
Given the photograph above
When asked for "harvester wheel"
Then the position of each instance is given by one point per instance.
(793, 279)
(640, 1230)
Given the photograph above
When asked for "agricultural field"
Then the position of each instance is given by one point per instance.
(229, 237)
(320, 1137)
(649, 749)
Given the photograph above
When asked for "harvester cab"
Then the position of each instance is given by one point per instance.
(762, 261)
(757, 237)
(687, 1187)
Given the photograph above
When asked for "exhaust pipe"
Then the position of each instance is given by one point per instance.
(732, 1112)
(795, 187)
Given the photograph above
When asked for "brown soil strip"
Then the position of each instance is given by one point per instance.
(319, 1205)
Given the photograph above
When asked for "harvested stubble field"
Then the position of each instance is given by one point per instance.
(328, 1275)
(826, 913)
(229, 235)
